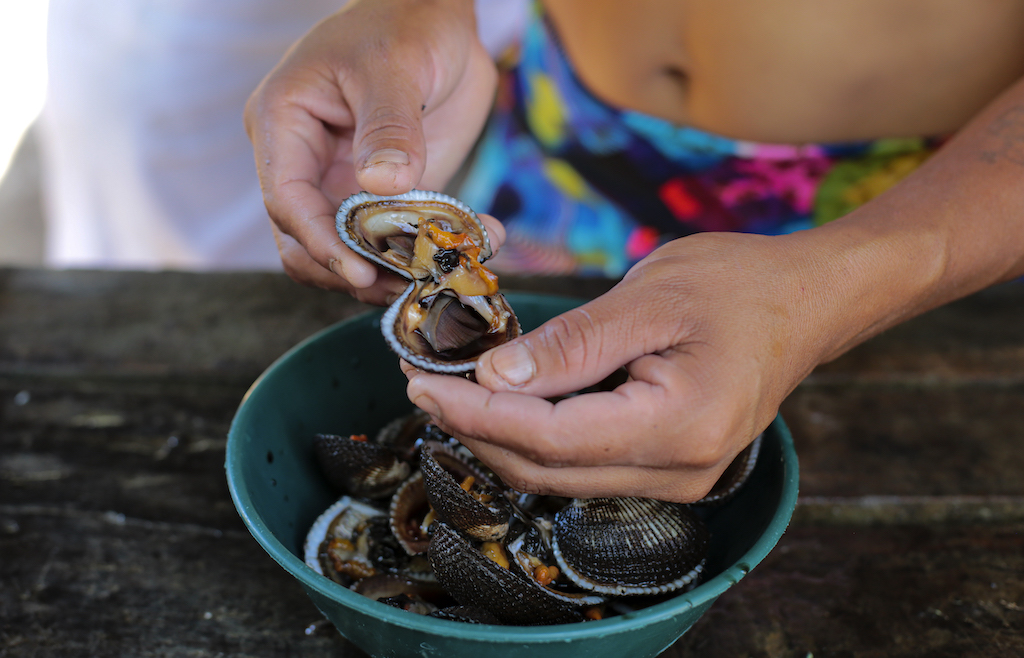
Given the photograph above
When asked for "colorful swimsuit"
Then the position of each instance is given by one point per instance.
(586, 188)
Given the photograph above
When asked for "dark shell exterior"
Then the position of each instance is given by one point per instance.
(457, 507)
(405, 434)
(359, 468)
(735, 475)
(629, 546)
(474, 580)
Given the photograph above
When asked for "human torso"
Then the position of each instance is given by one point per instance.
(797, 71)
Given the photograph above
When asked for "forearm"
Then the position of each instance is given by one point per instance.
(953, 227)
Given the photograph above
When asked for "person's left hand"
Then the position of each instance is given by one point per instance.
(714, 331)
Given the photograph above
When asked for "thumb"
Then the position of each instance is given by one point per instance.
(569, 352)
(388, 146)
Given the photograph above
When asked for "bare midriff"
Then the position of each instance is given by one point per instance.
(797, 71)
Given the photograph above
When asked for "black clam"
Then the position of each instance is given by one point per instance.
(474, 579)
(629, 546)
(358, 467)
(452, 311)
(735, 475)
(506, 557)
(462, 495)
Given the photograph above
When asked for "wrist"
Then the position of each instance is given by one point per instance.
(862, 274)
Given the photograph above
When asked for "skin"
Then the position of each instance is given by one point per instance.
(715, 330)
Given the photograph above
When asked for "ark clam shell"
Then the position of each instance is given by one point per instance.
(420, 356)
(356, 511)
(629, 546)
(365, 221)
(408, 507)
(735, 475)
(359, 468)
(451, 312)
(474, 580)
(455, 506)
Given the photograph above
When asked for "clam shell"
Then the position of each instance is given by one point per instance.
(390, 586)
(451, 312)
(474, 580)
(354, 513)
(629, 546)
(359, 468)
(378, 227)
(452, 359)
(408, 508)
(734, 476)
(466, 614)
(457, 507)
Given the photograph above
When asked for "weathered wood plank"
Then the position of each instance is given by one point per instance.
(101, 585)
(117, 534)
(893, 592)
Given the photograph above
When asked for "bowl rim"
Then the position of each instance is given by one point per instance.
(703, 594)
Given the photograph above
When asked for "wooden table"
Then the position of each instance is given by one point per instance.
(118, 538)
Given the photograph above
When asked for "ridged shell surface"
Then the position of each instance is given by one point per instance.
(358, 467)
(475, 580)
(629, 546)
(457, 507)
(735, 475)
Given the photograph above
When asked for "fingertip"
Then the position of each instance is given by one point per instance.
(495, 230)
(359, 273)
(416, 390)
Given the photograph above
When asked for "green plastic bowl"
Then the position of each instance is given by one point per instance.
(345, 380)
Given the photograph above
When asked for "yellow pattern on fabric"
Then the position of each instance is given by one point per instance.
(545, 111)
(851, 184)
(565, 178)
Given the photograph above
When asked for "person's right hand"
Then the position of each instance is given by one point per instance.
(359, 103)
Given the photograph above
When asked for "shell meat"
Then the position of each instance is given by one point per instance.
(452, 312)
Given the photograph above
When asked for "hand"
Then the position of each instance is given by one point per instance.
(359, 102)
(714, 333)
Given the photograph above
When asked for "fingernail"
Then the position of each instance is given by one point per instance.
(390, 299)
(514, 364)
(386, 156)
(336, 267)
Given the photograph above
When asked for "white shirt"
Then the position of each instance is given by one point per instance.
(146, 162)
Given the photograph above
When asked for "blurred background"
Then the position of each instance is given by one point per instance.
(23, 85)
(121, 136)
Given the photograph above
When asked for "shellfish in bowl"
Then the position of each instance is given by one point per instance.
(460, 537)
(343, 380)
(452, 312)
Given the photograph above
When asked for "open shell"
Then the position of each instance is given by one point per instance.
(476, 580)
(384, 228)
(452, 311)
(478, 510)
(359, 467)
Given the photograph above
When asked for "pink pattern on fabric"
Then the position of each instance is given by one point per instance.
(796, 181)
(641, 242)
(778, 151)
